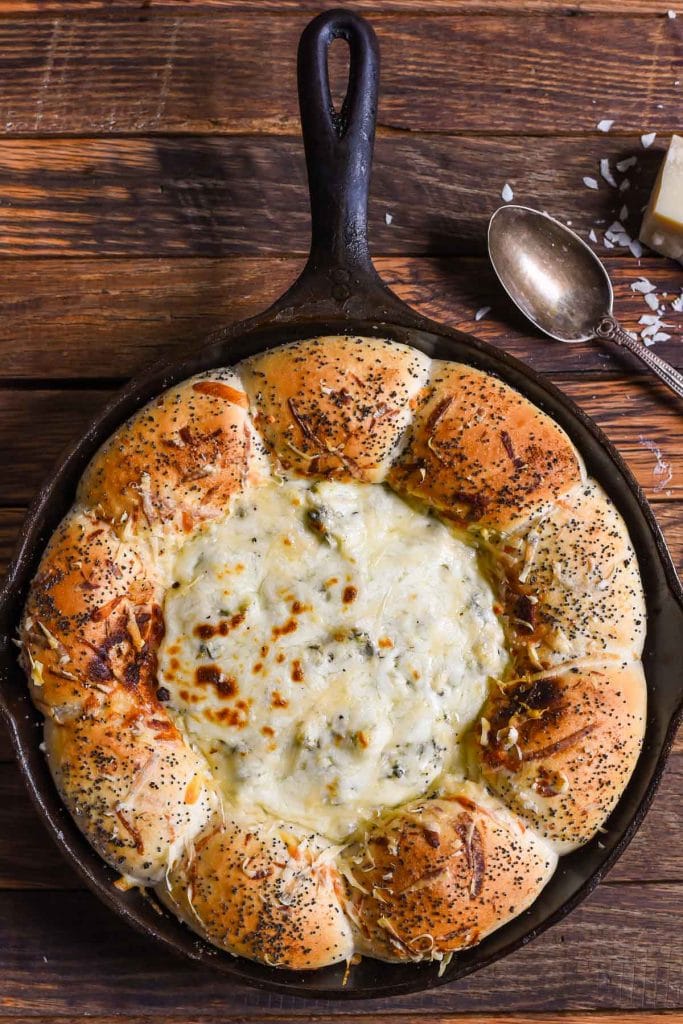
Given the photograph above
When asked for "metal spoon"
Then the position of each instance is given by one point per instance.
(560, 284)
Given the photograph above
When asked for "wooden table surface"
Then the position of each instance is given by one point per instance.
(152, 187)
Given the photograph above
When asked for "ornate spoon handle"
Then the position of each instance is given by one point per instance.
(610, 330)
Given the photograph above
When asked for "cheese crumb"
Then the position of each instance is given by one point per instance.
(648, 139)
(507, 194)
(642, 285)
(590, 182)
(605, 125)
(607, 173)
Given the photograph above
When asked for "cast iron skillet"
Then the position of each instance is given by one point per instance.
(339, 291)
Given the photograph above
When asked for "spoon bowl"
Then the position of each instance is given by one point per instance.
(549, 272)
(560, 284)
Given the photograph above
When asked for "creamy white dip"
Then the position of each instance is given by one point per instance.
(326, 646)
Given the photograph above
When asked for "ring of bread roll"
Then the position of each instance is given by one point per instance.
(548, 757)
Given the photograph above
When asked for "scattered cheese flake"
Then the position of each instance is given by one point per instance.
(662, 471)
(643, 286)
(507, 194)
(481, 313)
(593, 237)
(661, 336)
(652, 300)
(388, 217)
(624, 185)
(648, 139)
(629, 161)
(606, 172)
(647, 318)
(636, 248)
(623, 213)
(590, 182)
(604, 126)
(616, 234)
(671, 15)
(607, 243)
(677, 304)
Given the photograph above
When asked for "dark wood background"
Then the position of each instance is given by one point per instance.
(152, 187)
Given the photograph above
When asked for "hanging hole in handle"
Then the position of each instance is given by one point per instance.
(338, 78)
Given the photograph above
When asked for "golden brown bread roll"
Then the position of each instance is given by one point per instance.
(131, 782)
(178, 461)
(574, 587)
(441, 874)
(555, 742)
(559, 749)
(481, 452)
(335, 406)
(92, 618)
(265, 891)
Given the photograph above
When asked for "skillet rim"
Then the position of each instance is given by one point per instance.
(241, 338)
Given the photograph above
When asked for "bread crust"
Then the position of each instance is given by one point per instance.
(133, 785)
(178, 461)
(482, 453)
(441, 874)
(92, 619)
(268, 892)
(335, 407)
(572, 585)
(556, 743)
(560, 748)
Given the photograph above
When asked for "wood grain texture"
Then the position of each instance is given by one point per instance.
(144, 8)
(622, 948)
(409, 1017)
(247, 195)
(194, 74)
(633, 413)
(29, 859)
(109, 318)
(200, 156)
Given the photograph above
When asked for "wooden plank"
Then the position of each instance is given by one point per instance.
(145, 9)
(10, 521)
(634, 414)
(194, 74)
(109, 318)
(222, 196)
(622, 948)
(29, 860)
(657, 1017)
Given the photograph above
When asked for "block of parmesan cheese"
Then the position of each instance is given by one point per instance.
(662, 227)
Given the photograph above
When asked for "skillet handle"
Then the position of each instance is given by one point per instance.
(339, 279)
(339, 144)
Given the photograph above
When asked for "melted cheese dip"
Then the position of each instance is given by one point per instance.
(325, 648)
